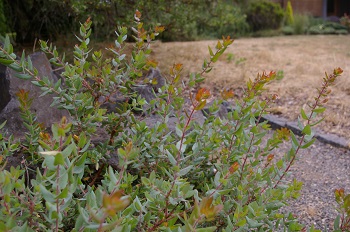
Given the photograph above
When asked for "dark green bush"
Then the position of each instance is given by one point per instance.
(264, 15)
(183, 19)
(42, 19)
(3, 22)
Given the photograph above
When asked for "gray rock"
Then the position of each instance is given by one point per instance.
(5, 96)
(154, 73)
(149, 91)
(221, 112)
(9, 104)
(146, 90)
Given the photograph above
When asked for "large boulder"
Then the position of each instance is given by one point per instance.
(9, 104)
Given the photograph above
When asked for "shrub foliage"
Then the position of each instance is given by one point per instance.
(262, 15)
(219, 175)
(183, 19)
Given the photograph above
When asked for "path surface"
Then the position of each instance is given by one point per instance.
(322, 168)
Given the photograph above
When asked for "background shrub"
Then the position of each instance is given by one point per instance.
(300, 24)
(184, 20)
(30, 21)
(264, 14)
(289, 15)
(328, 28)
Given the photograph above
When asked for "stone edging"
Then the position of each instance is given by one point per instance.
(332, 139)
(278, 123)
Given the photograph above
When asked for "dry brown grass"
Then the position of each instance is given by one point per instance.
(303, 59)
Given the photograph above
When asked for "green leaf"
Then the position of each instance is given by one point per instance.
(295, 142)
(59, 160)
(253, 223)
(81, 160)
(210, 51)
(46, 194)
(7, 45)
(308, 144)
(137, 204)
(58, 84)
(217, 178)
(5, 61)
(307, 130)
(171, 158)
(303, 114)
(319, 110)
(30, 64)
(23, 76)
(201, 105)
(69, 150)
(208, 229)
(336, 225)
(3, 124)
(185, 170)
(16, 67)
(63, 194)
(319, 121)
(178, 130)
(215, 57)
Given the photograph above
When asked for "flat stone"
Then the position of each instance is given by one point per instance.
(274, 121)
(333, 140)
(10, 85)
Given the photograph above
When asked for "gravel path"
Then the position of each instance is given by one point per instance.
(322, 168)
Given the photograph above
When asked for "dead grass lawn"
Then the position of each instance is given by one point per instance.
(303, 60)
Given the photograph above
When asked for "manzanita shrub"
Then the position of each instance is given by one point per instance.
(218, 175)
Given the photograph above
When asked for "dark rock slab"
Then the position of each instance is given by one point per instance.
(9, 104)
(5, 96)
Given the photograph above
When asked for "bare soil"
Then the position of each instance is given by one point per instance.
(303, 60)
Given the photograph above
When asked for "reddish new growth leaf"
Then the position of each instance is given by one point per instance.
(137, 15)
(270, 157)
(46, 137)
(115, 202)
(159, 29)
(339, 194)
(202, 94)
(142, 33)
(337, 71)
(178, 67)
(152, 63)
(128, 147)
(234, 167)
(227, 41)
(23, 97)
(268, 77)
(175, 69)
(209, 210)
(274, 97)
(227, 94)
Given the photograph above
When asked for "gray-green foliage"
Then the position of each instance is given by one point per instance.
(222, 175)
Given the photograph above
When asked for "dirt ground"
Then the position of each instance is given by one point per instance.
(303, 60)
